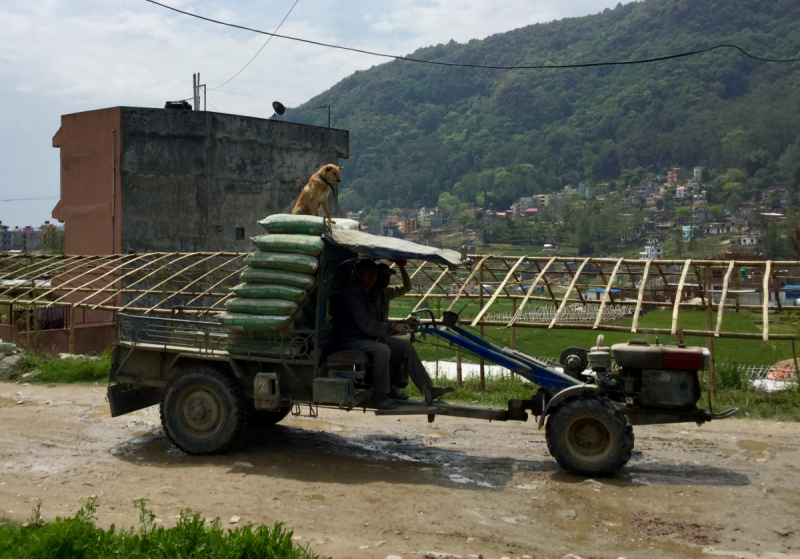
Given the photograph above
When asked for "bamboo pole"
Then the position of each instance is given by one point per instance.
(497, 291)
(466, 281)
(607, 294)
(638, 310)
(568, 293)
(721, 306)
(459, 379)
(430, 290)
(529, 294)
(482, 364)
(765, 302)
(712, 369)
(679, 296)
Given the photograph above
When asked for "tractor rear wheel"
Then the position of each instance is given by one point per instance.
(203, 410)
(589, 437)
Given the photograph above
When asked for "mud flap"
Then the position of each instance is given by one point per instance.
(124, 398)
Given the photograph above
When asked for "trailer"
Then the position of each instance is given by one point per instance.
(207, 395)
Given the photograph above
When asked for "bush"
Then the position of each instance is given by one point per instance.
(730, 378)
(79, 537)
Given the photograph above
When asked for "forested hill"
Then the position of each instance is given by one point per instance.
(418, 130)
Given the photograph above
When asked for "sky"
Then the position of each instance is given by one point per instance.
(65, 56)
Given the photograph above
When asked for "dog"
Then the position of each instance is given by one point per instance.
(315, 193)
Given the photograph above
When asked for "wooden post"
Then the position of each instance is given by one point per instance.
(513, 330)
(459, 378)
(72, 329)
(794, 354)
(28, 327)
(712, 369)
(480, 296)
(736, 275)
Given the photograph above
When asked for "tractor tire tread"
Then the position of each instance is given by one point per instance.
(238, 411)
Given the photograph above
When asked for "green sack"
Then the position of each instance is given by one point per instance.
(275, 307)
(293, 244)
(280, 261)
(268, 291)
(288, 224)
(265, 275)
(265, 348)
(253, 322)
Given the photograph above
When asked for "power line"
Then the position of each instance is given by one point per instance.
(29, 199)
(488, 67)
(271, 35)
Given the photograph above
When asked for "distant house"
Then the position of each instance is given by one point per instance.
(680, 192)
(748, 240)
(597, 293)
(651, 252)
(530, 213)
(717, 228)
(541, 200)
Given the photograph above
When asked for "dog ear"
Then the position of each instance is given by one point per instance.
(340, 168)
(328, 167)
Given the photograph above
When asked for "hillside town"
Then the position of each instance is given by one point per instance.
(674, 209)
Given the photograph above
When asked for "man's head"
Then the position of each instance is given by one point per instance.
(367, 272)
(385, 274)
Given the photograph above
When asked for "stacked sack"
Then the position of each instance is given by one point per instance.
(276, 284)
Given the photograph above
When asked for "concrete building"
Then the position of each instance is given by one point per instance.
(651, 253)
(147, 180)
(6, 237)
(542, 200)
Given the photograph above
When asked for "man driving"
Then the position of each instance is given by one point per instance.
(358, 328)
(385, 294)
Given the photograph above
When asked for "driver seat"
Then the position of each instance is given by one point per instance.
(347, 364)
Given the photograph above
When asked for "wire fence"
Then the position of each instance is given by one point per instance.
(572, 314)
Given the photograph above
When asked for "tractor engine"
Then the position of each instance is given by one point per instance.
(657, 376)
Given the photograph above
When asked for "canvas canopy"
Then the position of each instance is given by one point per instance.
(373, 246)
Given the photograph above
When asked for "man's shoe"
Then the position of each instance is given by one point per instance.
(397, 394)
(432, 393)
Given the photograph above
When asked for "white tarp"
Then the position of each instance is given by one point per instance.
(373, 246)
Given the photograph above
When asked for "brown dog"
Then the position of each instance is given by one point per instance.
(315, 193)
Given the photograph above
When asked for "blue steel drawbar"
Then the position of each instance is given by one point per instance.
(519, 363)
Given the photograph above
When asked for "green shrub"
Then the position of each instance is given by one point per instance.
(44, 368)
(78, 538)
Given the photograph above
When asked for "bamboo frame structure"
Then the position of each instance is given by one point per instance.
(199, 283)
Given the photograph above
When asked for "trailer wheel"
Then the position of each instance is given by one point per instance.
(203, 410)
(261, 418)
(589, 437)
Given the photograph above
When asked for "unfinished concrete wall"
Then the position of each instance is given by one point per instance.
(189, 179)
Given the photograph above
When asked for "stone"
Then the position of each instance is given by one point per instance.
(8, 363)
(393, 557)
(235, 519)
(243, 464)
(571, 556)
(441, 555)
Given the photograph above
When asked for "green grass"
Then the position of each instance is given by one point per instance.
(78, 537)
(42, 368)
(541, 342)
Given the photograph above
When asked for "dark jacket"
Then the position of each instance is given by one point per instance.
(356, 315)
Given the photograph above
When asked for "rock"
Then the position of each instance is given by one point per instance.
(7, 348)
(7, 364)
(235, 519)
(393, 557)
(243, 464)
(571, 556)
(20, 402)
(470, 540)
(440, 555)
(363, 547)
(380, 543)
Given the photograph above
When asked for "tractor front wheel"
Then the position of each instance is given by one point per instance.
(589, 437)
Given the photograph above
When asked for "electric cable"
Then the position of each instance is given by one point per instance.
(259, 50)
(483, 66)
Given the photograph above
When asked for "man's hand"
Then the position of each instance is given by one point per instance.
(401, 329)
(399, 263)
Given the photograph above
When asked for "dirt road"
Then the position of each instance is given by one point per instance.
(354, 485)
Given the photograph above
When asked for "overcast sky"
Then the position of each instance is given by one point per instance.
(65, 56)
